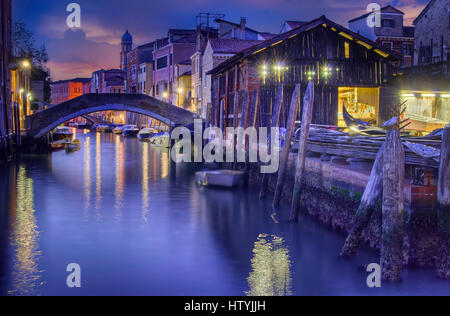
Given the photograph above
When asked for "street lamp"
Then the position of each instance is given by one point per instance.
(26, 64)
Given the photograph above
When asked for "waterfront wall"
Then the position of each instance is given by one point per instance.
(332, 194)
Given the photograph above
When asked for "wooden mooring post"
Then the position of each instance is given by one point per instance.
(293, 112)
(443, 262)
(308, 104)
(372, 194)
(252, 122)
(393, 206)
(242, 123)
(274, 123)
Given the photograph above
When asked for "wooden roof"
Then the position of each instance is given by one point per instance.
(322, 21)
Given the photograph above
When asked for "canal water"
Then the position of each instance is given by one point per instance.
(137, 225)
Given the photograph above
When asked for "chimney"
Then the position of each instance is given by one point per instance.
(243, 24)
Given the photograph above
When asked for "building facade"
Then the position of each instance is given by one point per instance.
(135, 58)
(391, 34)
(217, 51)
(426, 87)
(65, 90)
(183, 86)
(145, 78)
(227, 36)
(6, 111)
(179, 46)
(433, 33)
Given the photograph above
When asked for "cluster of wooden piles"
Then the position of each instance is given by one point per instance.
(419, 151)
(391, 151)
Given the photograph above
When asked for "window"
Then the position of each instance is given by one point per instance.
(407, 49)
(161, 63)
(387, 45)
(388, 23)
(347, 50)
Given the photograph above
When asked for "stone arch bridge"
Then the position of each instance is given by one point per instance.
(43, 122)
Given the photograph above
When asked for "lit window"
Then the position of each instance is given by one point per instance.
(347, 50)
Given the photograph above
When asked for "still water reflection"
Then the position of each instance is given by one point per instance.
(138, 225)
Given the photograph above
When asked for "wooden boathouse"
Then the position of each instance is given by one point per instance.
(346, 68)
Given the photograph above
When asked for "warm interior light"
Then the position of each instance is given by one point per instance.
(445, 95)
(26, 64)
(408, 95)
(428, 95)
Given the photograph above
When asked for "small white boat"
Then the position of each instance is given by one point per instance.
(62, 132)
(102, 128)
(130, 130)
(220, 178)
(161, 140)
(118, 130)
(147, 133)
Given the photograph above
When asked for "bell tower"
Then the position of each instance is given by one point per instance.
(127, 45)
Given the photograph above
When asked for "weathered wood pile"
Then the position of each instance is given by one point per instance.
(336, 143)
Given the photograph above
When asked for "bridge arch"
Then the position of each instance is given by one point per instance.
(43, 122)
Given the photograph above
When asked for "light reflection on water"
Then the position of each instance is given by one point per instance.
(98, 174)
(27, 276)
(120, 175)
(151, 231)
(145, 181)
(271, 268)
(87, 171)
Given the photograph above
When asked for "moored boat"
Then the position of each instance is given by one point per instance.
(62, 132)
(220, 178)
(73, 146)
(161, 139)
(58, 144)
(130, 130)
(146, 133)
(103, 128)
(117, 130)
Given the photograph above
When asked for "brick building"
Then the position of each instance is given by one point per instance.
(433, 33)
(65, 90)
(140, 55)
(392, 34)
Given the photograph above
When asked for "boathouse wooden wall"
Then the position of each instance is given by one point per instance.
(303, 54)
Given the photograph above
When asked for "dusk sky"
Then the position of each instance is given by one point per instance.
(96, 44)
